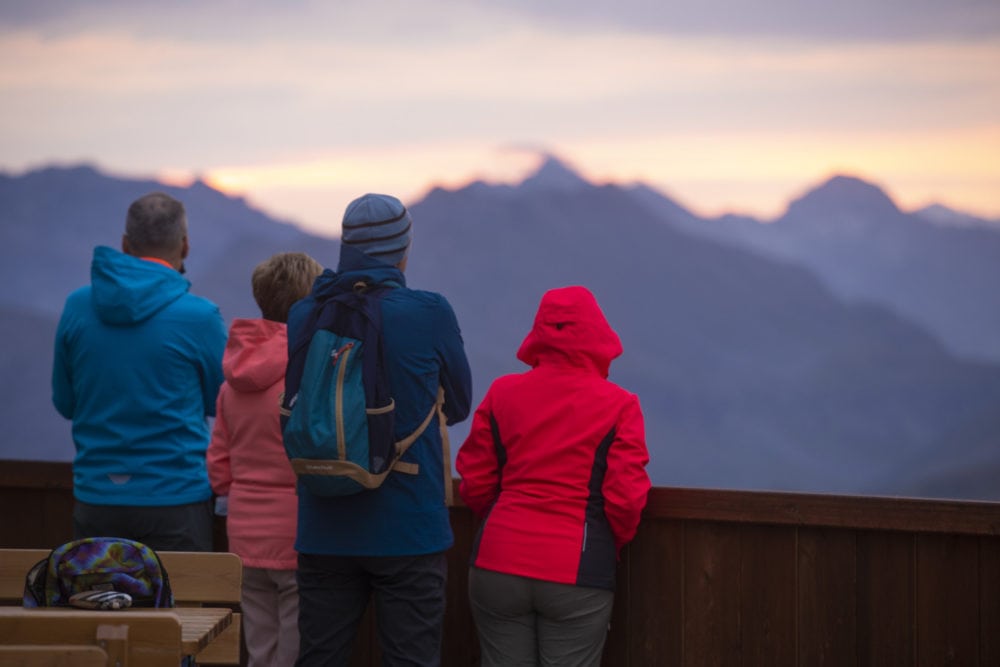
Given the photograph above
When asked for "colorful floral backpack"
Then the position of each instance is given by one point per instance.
(99, 564)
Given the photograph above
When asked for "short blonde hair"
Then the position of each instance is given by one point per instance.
(281, 280)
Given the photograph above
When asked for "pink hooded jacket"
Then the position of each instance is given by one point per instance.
(246, 457)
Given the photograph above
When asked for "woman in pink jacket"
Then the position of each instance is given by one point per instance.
(247, 461)
(555, 465)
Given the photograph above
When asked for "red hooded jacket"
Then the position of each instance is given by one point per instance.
(555, 460)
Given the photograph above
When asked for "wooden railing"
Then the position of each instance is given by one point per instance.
(726, 577)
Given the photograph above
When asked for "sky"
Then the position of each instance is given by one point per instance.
(300, 106)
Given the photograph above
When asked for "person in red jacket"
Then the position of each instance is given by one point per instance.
(247, 461)
(555, 465)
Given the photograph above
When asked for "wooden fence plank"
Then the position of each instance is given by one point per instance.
(886, 615)
(616, 649)
(827, 597)
(947, 600)
(711, 595)
(767, 595)
(42, 492)
(44, 517)
(803, 509)
(648, 629)
(460, 644)
(989, 600)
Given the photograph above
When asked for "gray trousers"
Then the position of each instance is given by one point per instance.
(528, 622)
(270, 617)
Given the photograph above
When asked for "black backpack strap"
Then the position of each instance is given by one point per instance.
(361, 296)
(34, 584)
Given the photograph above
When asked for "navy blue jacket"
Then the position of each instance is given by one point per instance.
(407, 515)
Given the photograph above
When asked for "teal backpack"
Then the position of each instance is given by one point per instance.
(337, 411)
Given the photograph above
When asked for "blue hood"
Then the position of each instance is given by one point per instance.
(128, 290)
(354, 266)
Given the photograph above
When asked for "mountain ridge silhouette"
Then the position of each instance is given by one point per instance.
(753, 372)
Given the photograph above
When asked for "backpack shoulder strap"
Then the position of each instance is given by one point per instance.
(449, 494)
(404, 444)
(34, 585)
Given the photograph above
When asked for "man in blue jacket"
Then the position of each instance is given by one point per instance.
(390, 541)
(138, 365)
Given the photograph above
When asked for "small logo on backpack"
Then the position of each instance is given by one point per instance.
(337, 353)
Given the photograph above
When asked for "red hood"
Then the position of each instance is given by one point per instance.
(256, 354)
(571, 330)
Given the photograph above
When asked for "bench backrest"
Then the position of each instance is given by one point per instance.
(14, 566)
(197, 579)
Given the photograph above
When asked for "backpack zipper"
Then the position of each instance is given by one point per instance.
(340, 356)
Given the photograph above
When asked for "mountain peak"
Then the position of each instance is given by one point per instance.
(554, 174)
(848, 200)
(843, 191)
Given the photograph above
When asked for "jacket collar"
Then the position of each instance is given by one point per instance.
(354, 266)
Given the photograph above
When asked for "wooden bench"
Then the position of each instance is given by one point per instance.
(196, 578)
(66, 655)
(150, 638)
(207, 579)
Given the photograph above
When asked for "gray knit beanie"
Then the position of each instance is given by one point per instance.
(379, 226)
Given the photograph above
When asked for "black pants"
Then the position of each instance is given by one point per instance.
(169, 528)
(409, 607)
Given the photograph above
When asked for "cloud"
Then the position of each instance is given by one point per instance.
(848, 20)
(430, 20)
(257, 90)
(261, 99)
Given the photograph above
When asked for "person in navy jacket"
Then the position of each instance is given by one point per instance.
(389, 542)
(555, 466)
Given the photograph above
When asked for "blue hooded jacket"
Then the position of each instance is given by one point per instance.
(407, 515)
(137, 367)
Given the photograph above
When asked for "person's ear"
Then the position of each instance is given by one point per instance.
(126, 247)
(185, 248)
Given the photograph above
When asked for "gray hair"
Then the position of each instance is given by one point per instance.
(156, 223)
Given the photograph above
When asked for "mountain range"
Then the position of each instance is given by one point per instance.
(844, 347)
(935, 266)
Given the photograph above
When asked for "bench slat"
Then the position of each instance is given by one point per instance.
(66, 655)
(150, 638)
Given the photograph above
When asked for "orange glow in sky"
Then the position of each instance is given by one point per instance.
(746, 173)
(737, 110)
